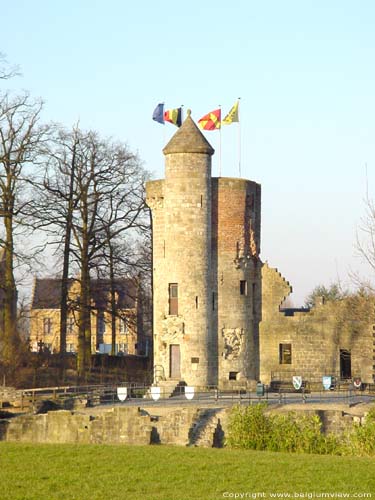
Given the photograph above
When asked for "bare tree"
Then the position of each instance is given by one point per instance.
(365, 245)
(20, 137)
(6, 70)
(125, 220)
(93, 191)
(321, 293)
(58, 183)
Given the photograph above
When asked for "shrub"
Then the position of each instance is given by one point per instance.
(249, 427)
(361, 440)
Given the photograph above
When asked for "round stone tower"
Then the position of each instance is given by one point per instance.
(184, 340)
(206, 269)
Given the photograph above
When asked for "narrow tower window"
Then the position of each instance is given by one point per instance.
(173, 299)
(196, 302)
(285, 354)
(243, 287)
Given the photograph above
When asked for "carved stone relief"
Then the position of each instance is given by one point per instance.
(173, 329)
(233, 342)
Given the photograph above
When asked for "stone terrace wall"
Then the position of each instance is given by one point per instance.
(194, 426)
(119, 425)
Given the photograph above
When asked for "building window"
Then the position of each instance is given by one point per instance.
(233, 375)
(70, 325)
(285, 354)
(47, 325)
(123, 326)
(173, 299)
(70, 348)
(243, 287)
(123, 348)
(101, 324)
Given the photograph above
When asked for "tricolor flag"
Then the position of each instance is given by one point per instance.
(232, 116)
(158, 114)
(211, 121)
(173, 116)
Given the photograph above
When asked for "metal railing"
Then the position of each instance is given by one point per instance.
(141, 394)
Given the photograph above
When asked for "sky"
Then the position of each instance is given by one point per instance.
(304, 71)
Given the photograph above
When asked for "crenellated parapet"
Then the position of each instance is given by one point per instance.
(275, 289)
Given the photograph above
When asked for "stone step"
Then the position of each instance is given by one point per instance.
(168, 388)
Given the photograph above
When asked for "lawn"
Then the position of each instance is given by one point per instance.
(175, 473)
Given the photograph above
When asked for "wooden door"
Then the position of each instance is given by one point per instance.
(175, 361)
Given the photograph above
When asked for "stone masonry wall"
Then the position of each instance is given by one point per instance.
(316, 337)
(181, 255)
(206, 239)
(193, 426)
(235, 250)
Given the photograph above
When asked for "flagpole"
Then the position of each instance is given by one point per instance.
(163, 126)
(220, 144)
(239, 138)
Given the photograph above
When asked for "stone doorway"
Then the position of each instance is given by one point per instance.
(345, 364)
(175, 361)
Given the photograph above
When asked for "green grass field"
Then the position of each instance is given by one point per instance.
(164, 472)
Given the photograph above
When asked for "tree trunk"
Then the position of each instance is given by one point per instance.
(10, 295)
(113, 299)
(65, 272)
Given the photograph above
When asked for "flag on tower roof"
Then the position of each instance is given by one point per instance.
(158, 114)
(232, 116)
(173, 116)
(211, 121)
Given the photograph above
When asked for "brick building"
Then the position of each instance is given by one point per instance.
(131, 337)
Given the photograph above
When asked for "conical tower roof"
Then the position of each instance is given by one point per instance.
(188, 139)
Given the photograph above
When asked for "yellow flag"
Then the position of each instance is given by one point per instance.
(232, 116)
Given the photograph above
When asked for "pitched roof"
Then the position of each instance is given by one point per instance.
(188, 139)
(47, 292)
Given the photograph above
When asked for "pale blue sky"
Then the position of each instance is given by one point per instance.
(305, 73)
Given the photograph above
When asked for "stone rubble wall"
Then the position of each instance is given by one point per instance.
(186, 426)
(9, 395)
(316, 336)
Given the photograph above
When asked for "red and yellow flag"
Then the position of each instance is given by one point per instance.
(211, 121)
(232, 116)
